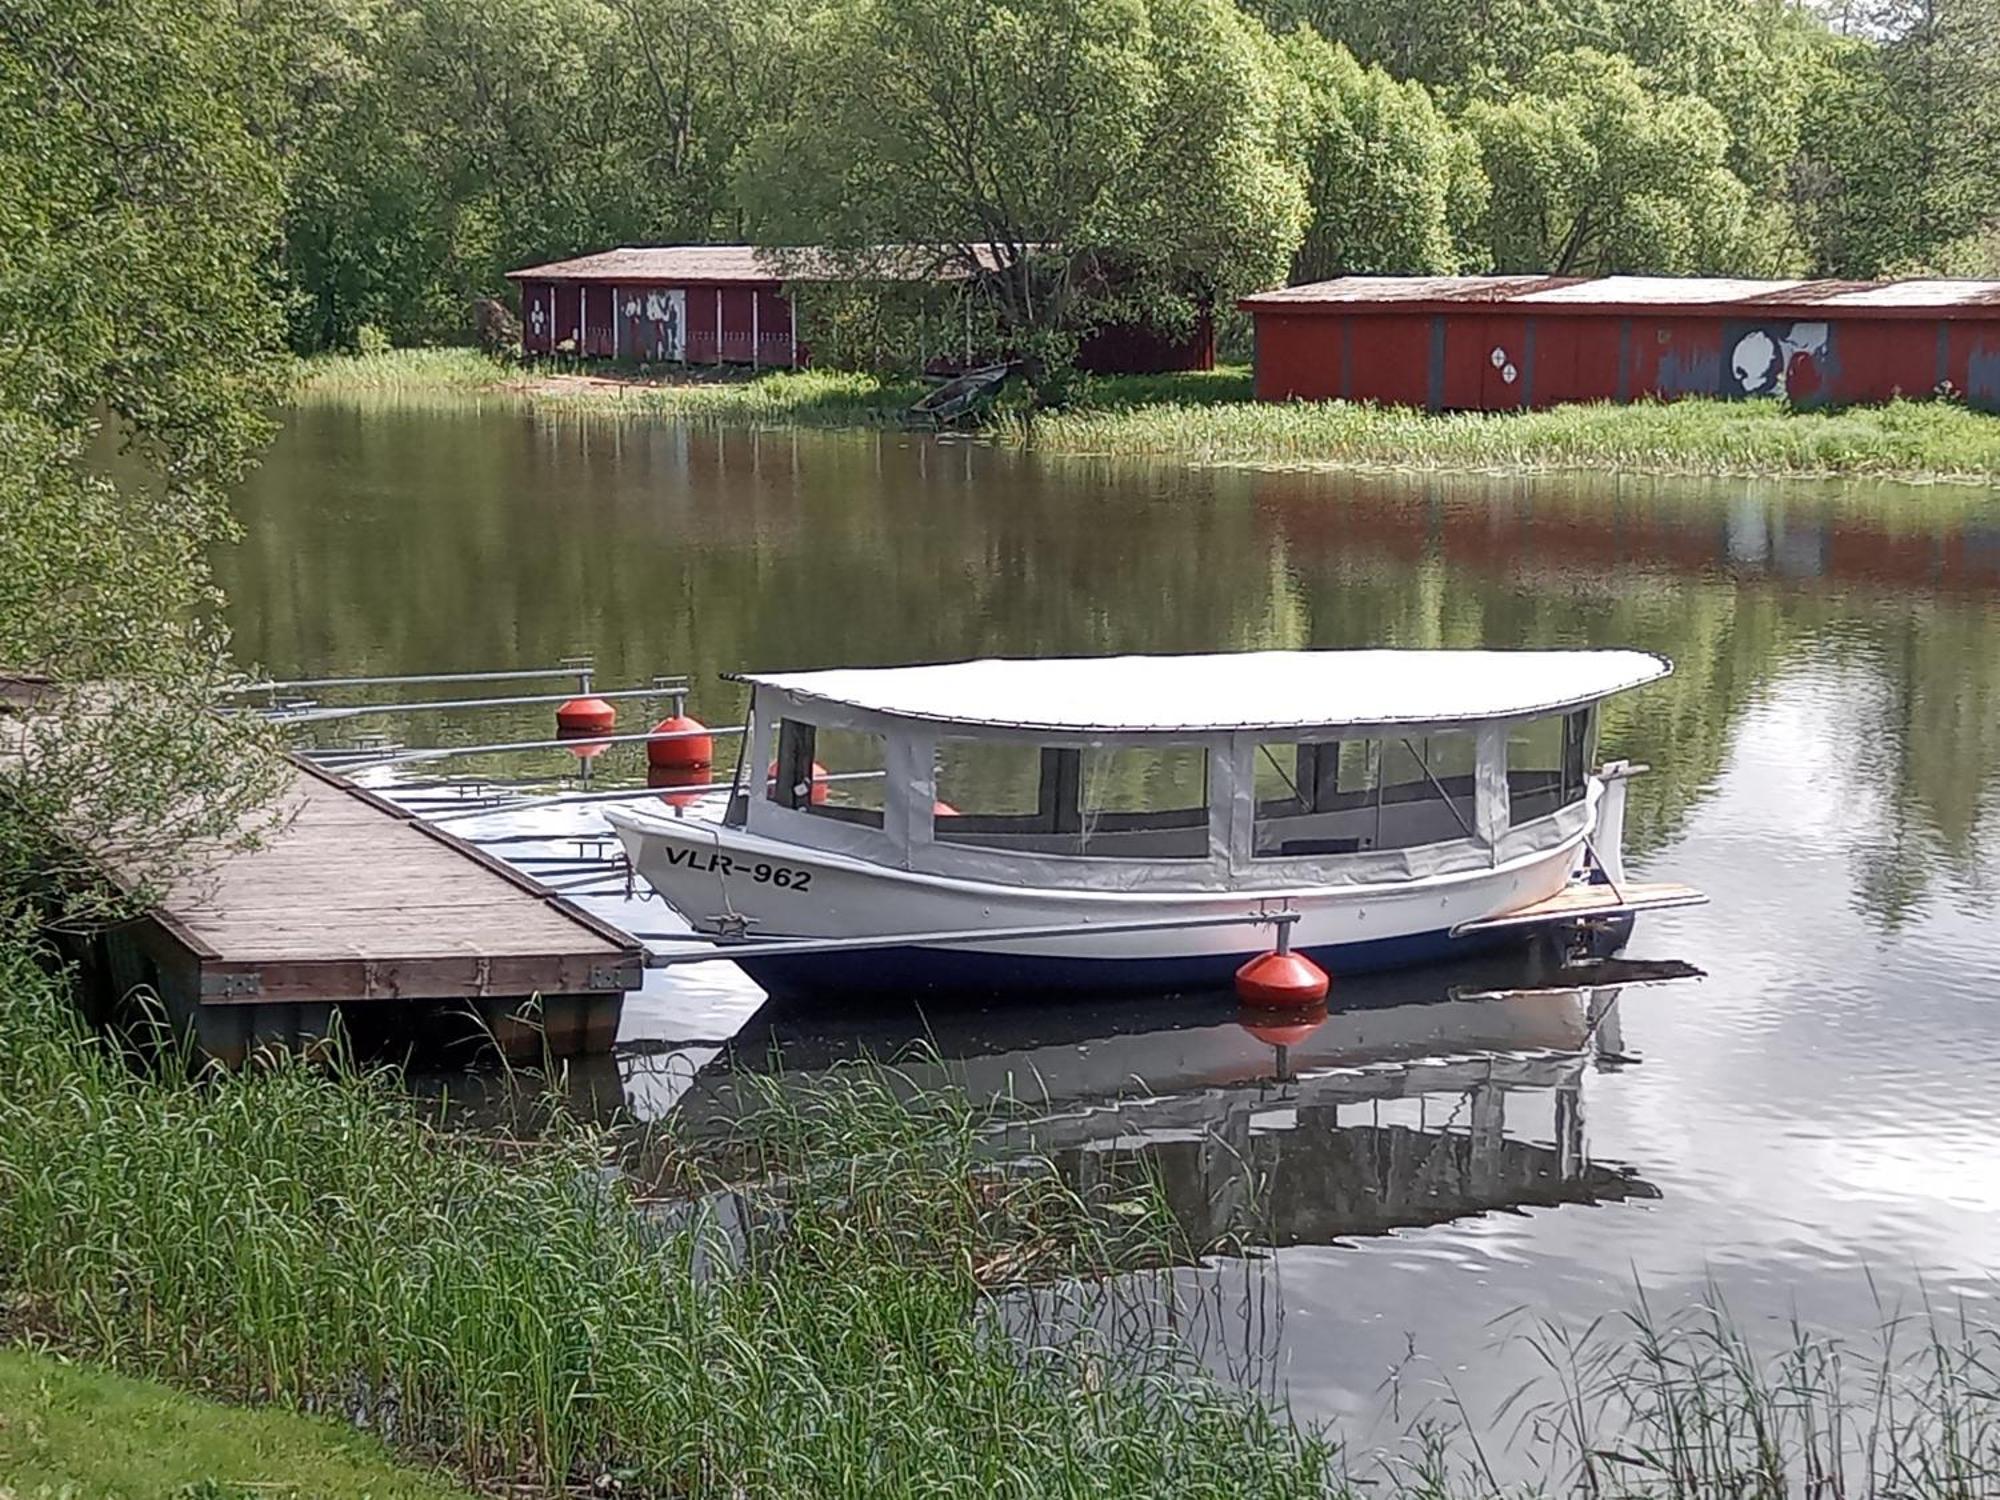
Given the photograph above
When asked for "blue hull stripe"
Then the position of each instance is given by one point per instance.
(879, 971)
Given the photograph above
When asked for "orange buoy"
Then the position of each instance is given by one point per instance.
(821, 787)
(694, 781)
(1282, 979)
(694, 748)
(585, 716)
(1281, 1028)
(942, 809)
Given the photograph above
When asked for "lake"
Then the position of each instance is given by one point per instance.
(1812, 1128)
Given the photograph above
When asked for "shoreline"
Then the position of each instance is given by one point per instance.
(1209, 420)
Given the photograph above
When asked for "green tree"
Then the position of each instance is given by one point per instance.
(1900, 162)
(1395, 187)
(1124, 157)
(443, 143)
(1592, 171)
(135, 233)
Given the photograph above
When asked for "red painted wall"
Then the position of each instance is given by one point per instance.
(1490, 360)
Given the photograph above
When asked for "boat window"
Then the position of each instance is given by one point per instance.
(830, 773)
(1548, 761)
(1347, 796)
(1141, 802)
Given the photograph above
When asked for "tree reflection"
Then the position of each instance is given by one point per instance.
(380, 539)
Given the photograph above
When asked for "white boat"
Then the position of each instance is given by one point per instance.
(1133, 813)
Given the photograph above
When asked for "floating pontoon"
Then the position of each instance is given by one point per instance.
(966, 826)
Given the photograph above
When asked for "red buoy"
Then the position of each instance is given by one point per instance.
(821, 787)
(694, 750)
(1282, 979)
(942, 809)
(586, 716)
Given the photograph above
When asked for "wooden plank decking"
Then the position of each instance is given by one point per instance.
(353, 898)
(350, 900)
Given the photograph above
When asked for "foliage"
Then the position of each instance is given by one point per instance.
(821, 1318)
(73, 1430)
(138, 353)
(1395, 187)
(451, 141)
(1899, 163)
(1123, 156)
(1594, 172)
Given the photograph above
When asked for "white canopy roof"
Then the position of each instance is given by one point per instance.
(1241, 690)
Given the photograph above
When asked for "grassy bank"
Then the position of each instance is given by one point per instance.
(1209, 418)
(846, 1313)
(829, 1325)
(453, 377)
(1904, 440)
(72, 1430)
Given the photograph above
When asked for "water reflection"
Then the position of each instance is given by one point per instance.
(382, 540)
(1816, 1116)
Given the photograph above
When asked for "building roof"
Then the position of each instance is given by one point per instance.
(1262, 690)
(1934, 297)
(754, 265)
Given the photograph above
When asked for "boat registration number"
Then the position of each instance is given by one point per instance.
(762, 871)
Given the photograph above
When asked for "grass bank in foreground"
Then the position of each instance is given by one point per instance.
(68, 1430)
(830, 1321)
(1209, 418)
(857, 1302)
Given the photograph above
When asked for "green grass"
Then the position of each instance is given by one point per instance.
(1208, 418)
(293, 1237)
(68, 1431)
(454, 378)
(846, 1296)
(1905, 439)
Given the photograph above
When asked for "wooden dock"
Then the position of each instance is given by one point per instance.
(350, 904)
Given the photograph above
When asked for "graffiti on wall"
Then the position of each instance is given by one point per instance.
(658, 320)
(1779, 359)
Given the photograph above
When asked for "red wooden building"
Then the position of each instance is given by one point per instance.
(1500, 342)
(726, 304)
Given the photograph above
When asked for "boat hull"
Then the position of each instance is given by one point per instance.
(723, 879)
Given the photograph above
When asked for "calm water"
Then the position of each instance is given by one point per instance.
(1823, 1107)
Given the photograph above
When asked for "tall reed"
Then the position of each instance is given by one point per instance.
(824, 1320)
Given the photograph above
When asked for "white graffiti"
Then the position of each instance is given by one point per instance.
(1771, 361)
(665, 335)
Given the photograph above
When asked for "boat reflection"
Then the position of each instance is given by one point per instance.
(1417, 1100)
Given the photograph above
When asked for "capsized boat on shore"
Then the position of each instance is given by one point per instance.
(1403, 805)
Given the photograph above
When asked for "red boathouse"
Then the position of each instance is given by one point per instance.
(727, 304)
(1493, 343)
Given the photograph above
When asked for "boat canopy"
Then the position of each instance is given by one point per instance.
(1227, 692)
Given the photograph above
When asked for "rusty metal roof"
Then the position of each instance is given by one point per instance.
(754, 265)
(1616, 294)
